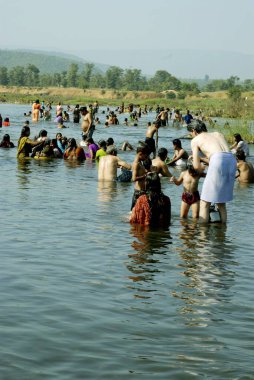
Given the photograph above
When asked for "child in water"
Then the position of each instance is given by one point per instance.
(190, 197)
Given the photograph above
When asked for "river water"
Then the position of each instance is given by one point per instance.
(84, 295)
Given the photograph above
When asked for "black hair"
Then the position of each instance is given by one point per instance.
(102, 143)
(143, 148)
(238, 137)
(110, 141)
(198, 126)
(159, 211)
(162, 153)
(193, 172)
(6, 137)
(24, 131)
(240, 155)
(177, 142)
(43, 133)
(90, 140)
(72, 142)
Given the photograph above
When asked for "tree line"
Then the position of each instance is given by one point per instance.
(115, 78)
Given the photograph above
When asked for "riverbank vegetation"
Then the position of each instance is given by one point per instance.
(227, 98)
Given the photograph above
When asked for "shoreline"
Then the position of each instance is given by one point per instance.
(214, 104)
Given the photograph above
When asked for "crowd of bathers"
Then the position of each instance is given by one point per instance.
(149, 204)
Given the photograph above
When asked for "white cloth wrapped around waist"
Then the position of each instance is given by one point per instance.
(219, 181)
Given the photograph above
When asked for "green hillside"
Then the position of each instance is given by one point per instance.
(46, 62)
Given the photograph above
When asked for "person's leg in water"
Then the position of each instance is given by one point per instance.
(184, 210)
(223, 212)
(204, 211)
(195, 210)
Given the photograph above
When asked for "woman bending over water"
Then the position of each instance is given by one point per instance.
(25, 144)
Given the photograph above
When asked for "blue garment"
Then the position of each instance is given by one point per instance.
(188, 118)
(60, 146)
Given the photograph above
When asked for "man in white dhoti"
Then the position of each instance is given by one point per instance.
(219, 182)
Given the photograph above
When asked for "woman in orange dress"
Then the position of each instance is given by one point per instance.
(152, 208)
(74, 152)
(36, 110)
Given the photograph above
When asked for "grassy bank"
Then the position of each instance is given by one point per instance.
(215, 104)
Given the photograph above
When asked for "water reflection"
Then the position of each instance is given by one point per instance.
(151, 245)
(23, 171)
(107, 191)
(206, 269)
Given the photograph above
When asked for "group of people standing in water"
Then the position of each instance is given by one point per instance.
(210, 157)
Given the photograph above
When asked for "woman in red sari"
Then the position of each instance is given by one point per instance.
(152, 208)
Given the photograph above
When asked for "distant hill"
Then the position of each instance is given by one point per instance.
(182, 63)
(47, 62)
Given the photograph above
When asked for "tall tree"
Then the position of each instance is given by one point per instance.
(86, 75)
(17, 76)
(4, 78)
(32, 75)
(133, 80)
(72, 75)
(113, 77)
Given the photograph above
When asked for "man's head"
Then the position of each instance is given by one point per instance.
(112, 150)
(163, 153)
(197, 127)
(143, 151)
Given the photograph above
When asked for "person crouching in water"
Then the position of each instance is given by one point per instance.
(152, 208)
(190, 196)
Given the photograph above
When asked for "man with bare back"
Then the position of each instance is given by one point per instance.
(219, 182)
(159, 165)
(108, 165)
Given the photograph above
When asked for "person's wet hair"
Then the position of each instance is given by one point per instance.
(144, 148)
(177, 143)
(162, 153)
(110, 141)
(238, 137)
(90, 140)
(6, 137)
(72, 142)
(43, 133)
(25, 130)
(193, 172)
(240, 155)
(198, 126)
(102, 143)
(153, 183)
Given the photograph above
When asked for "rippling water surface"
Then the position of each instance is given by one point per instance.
(84, 295)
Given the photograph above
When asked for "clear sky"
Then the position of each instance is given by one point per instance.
(74, 25)
(77, 26)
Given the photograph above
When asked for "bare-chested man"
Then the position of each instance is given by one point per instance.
(219, 182)
(139, 172)
(245, 169)
(108, 165)
(159, 164)
(151, 131)
(87, 122)
(163, 116)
